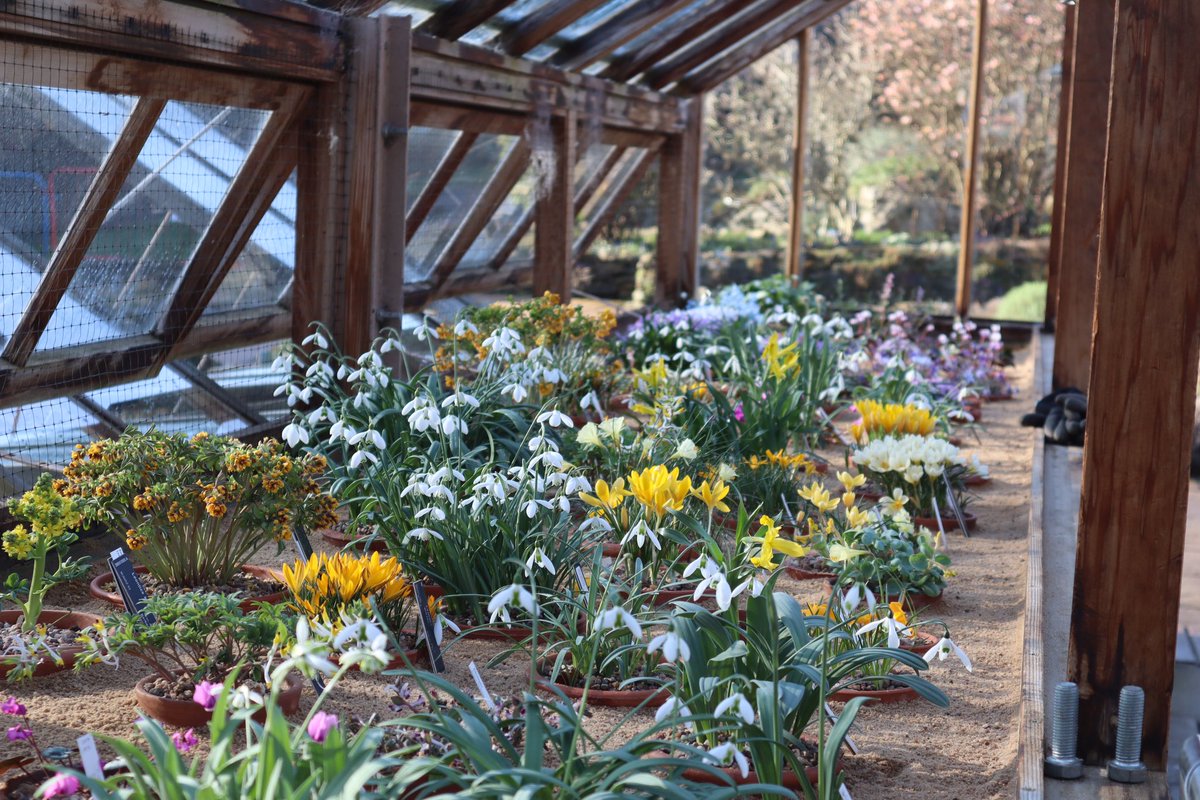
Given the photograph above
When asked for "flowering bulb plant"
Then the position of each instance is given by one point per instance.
(51, 516)
(891, 419)
(914, 465)
(768, 481)
(195, 510)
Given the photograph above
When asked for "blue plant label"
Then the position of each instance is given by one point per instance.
(435, 651)
(133, 593)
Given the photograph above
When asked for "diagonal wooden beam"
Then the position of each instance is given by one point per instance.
(549, 19)
(265, 170)
(608, 204)
(692, 25)
(460, 17)
(712, 75)
(484, 208)
(614, 32)
(68, 255)
(760, 17)
(441, 176)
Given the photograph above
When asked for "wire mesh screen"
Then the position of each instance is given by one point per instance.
(118, 211)
(619, 261)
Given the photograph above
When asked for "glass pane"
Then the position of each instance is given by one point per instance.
(455, 201)
(54, 140)
(248, 375)
(426, 149)
(169, 403)
(182, 174)
(510, 214)
(39, 437)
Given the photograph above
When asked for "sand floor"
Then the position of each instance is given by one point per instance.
(910, 750)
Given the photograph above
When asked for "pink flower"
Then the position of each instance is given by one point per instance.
(11, 706)
(206, 694)
(19, 733)
(184, 742)
(61, 786)
(738, 414)
(321, 724)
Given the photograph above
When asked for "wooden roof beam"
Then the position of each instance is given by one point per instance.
(73, 246)
(614, 32)
(460, 17)
(694, 23)
(549, 19)
(712, 75)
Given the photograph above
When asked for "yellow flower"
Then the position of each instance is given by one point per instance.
(898, 612)
(819, 497)
(712, 495)
(325, 585)
(589, 435)
(18, 543)
(851, 482)
(856, 517)
(659, 490)
(894, 504)
(612, 427)
(839, 553)
(780, 361)
(686, 450)
(772, 541)
(607, 497)
(893, 418)
(726, 472)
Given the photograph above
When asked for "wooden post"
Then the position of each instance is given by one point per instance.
(319, 221)
(1143, 377)
(679, 177)
(966, 251)
(1090, 83)
(795, 254)
(1060, 168)
(391, 172)
(554, 226)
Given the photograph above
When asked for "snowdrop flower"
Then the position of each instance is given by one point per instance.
(464, 326)
(576, 484)
(672, 706)
(599, 524)
(551, 459)
(516, 391)
(424, 535)
(738, 705)
(712, 578)
(895, 630)
(515, 595)
(531, 507)
(431, 511)
(590, 400)
(341, 430)
(945, 647)
(425, 331)
(295, 433)
(504, 342)
(460, 399)
(245, 697)
(360, 456)
(555, 418)
(541, 559)
(854, 596)
(615, 616)
(310, 653)
(673, 647)
(452, 423)
(722, 753)
(641, 532)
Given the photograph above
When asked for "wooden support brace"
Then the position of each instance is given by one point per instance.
(615, 31)
(795, 253)
(554, 261)
(698, 21)
(73, 246)
(966, 231)
(391, 171)
(547, 20)
(441, 176)
(460, 17)
(1054, 261)
(678, 268)
(1142, 387)
(608, 204)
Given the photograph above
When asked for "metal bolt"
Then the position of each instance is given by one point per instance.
(1062, 763)
(1127, 767)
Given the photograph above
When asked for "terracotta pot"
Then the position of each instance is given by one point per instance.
(67, 620)
(340, 540)
(921, 643)
(485, 633)
(621, 698)
(955, 441)
(789, 779)
(914, 601)
(189, 714)
(901, 694)
(96, 587)
(999, 398)
(949, 522)
(977, 480)
(21, 784)
(667, 596)
(804, 575)
(869, 495)
(610, 550)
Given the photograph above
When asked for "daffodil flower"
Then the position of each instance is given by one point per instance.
(589, 435)
(772, 541)
(687, 450)
(612, 427)
(945, 647)
(713, 495)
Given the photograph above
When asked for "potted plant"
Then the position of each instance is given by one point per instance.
(193, 642)
(913, 466)
(196, 510)
(43, 640)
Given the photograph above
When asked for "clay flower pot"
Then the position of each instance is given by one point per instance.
(67, 620)
(619, 698)
(21, 784)
(949, 521)
(977, 480)
(800, 574)
(900, 694)
(341, 540)
(914, 601)
(667, 596)
(921, 643)
(96, 587)
(493, 633)
(789, 779)
(190, 714)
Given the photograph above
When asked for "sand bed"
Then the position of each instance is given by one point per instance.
(909, 750)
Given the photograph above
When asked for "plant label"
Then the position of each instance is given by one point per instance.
(435, 651)
(483, 690)
(133, 593)
(833, 718)
(937, 517)
(89, 756)
(580, 580)
(303, 545)
(953, 501)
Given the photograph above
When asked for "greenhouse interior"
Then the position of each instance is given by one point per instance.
(600, 398)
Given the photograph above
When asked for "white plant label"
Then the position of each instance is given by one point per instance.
(89, 756)
(483, 690)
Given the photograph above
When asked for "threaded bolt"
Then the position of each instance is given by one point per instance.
(1127, 767)
(1062, 763)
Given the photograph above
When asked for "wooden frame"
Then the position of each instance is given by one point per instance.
(966, 231)
(795, 251)
(441, 176)
(690, 28)
(607, 205)
(460, 17)
(614, 32)
(547, 20)
(554, 231)
(1054, 260)
(678, 263)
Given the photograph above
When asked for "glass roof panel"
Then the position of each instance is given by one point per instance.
(426, 148)
(511, 211)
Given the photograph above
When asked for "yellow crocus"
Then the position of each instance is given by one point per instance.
(894, 504)
(607, 497)
(856, 517)
(851, 482)
(820, 497)
(659, 490)
(713, 495)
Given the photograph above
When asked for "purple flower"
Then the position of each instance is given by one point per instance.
(11, 706)
(184, 742)
(321, 724)
(206, 694)
(738, 414)
(19, 733)
(61, 786)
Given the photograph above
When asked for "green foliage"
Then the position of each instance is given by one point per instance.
(1025, 302)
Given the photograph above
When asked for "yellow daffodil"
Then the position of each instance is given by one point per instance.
(840, 554)
(780, 361)
(712, 495)
(589, 435)
(772, 541)
(607, 497)
(726, 472)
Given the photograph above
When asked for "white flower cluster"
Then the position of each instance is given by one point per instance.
(911, 456)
